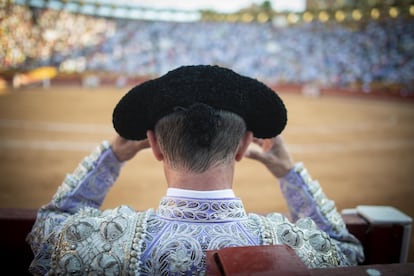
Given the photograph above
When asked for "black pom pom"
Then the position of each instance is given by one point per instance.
(203, 122)
(201, 118)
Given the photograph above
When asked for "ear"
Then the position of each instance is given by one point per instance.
(244, 144)
(156, 150)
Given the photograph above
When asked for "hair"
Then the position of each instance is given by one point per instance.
(199, 137)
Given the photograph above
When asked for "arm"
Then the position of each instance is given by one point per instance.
(305, 197)
(82, 191)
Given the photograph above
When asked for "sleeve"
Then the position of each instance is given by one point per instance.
(81, 191)
(305, 199)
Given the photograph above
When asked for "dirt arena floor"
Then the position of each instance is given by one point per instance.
(360, 150)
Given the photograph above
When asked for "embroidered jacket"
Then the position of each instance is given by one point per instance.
(72, 236)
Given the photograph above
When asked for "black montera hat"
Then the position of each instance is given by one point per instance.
(140, 109)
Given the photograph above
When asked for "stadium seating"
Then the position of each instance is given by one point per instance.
(376, 55)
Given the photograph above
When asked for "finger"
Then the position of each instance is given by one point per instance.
(144, 144)
(278, 140)
(255, 155)
(267, 144)
(257, 141)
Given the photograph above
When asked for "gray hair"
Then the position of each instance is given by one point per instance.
(199, 137)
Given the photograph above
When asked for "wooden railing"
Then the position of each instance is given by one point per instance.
(282, 260)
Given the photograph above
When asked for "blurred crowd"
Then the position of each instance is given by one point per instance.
(326, 54)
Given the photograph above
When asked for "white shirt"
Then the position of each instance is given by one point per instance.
(225, 193)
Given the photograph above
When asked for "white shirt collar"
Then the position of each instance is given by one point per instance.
(225, 193)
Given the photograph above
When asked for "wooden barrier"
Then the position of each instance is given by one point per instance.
(282, 260)
(383, 244)
(16, 254)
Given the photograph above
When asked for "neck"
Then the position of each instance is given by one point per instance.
(216, 178)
